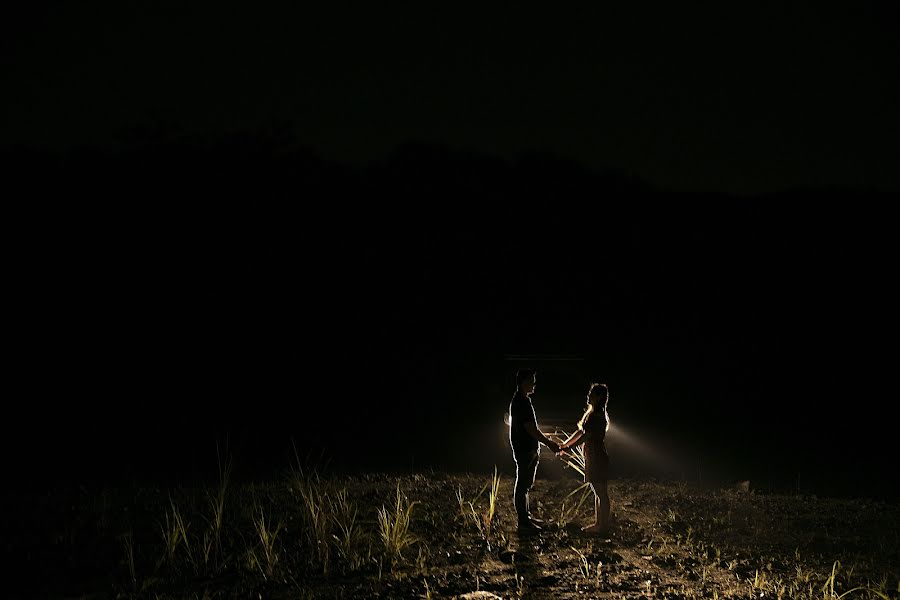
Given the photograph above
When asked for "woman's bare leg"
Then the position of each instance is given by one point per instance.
(601, 489)
(600, 492)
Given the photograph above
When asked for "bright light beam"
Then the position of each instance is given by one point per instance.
(636, 447)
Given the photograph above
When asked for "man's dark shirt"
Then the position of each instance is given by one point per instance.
(521, 412)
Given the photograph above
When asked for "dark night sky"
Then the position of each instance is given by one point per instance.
(168, 293)
(708, 95)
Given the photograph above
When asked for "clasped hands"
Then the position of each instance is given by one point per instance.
(556, 447)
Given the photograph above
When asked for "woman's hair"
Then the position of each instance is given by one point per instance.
(523, 375)
(602, 395)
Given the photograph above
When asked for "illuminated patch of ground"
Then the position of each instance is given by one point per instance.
(312, 537)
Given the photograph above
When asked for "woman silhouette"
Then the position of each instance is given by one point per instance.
(592, 432)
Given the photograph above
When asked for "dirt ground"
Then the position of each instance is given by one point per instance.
(323, 537)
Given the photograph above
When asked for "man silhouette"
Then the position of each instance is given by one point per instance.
(525, 439)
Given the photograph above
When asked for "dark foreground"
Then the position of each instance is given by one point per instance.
(310, 536)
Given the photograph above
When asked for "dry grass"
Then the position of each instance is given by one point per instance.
(325, 537)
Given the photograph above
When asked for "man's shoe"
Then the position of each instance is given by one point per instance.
(535, 520)
(529, 525)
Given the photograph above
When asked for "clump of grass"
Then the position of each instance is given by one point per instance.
(521, 588)
(573, 458)
(422, 559)
(393, 527)
(316, 516)
(265, 556)
(570, 509)
(488, 516)
(212, 538)
(344, 516)
(878, 590)
(828, 588)
(465, 510)
(136, 585)
(801, 585)
(318, 512)
(331, 521)
(128, 545)
(174, 534)
(584, 565)
(585, 569)
(483, 519)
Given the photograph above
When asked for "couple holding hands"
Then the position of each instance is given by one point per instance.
(525, 439)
